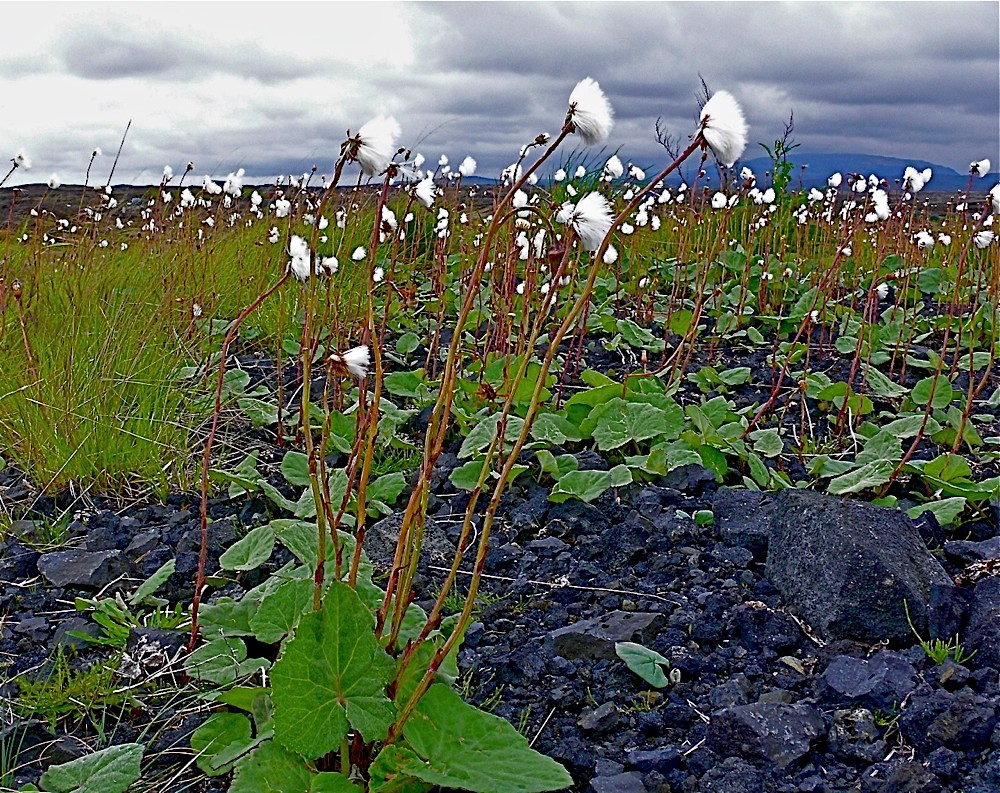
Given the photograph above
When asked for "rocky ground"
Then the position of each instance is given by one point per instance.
(792, 666)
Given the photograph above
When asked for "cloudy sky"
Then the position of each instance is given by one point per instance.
(273, 88)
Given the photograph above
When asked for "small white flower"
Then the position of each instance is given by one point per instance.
(359, 253)
(983, 239)
(468, 167)
(570, 191)
(719, 201)
(378, 275)
(746, 174)
(768, 196)
(580, 172)
(98, 152)
(995, 198)
(355, 361)
(329, 264)
(882, 290)
(635, 172)
(924, 240)
(375, 144)
(210, 187)
(835, 180)
(643, 282)
(944, 239)
(559, 176)
(272, 237)
(590, 112)
(282, 207)
(723, 127)
(54, 182)
(22, 160)
(611, 255)
(520, 288)
(590, 218)
(195, 310)
(980, 168)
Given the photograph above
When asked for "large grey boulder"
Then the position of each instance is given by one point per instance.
(847, 567)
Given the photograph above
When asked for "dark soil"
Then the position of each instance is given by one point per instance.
(757, 702)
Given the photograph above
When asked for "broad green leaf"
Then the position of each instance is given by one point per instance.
(883, 446)
(484, 432)
(646, 663)
(154, 582)
(250, 552)
(241, 697)
(871, 474)
(737, 376)
(279, 612)
(767, 442)
(945, 511)
(110, 770)
(221, 732)
(938, 395)
(387, 488)
(466, 476)
(593, 378)
(908, 426)
(760, 473)
(554, 429)
(619, 422)
(342, 431)
(407, 343)
(386, 773)
(638, 336)
(295, 468)
(949, 467)
(260, 413)
(461, 747)
(222, 661)
(882, 385)
(227, 616)
(929, 280)
(407, 384)
(272, 769)
(588, 485)
(331, 675)
(556, 466)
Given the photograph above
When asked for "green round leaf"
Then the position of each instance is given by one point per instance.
(331, 674)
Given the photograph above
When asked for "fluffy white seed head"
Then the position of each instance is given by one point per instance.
(590, 112)
(376, 144)
(590, 218)
(723, 127)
